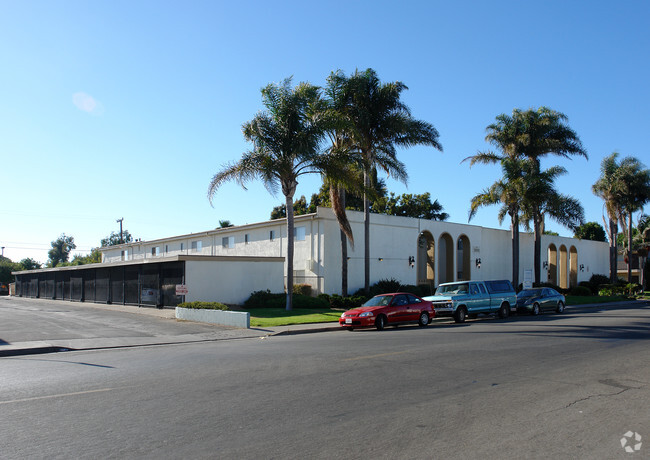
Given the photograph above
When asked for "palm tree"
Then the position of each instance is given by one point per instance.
(286, 145)
(379, 122)
(508, 191)
(542, 198)
(530, 134)
(608, 188)
(634, 194)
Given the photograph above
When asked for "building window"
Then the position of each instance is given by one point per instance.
(299, 233)
(228, 241)
(123, 255)
(197, 245)
(272, 235)
(182, 246)
(246, 238)
(155, 251)
(166, 248)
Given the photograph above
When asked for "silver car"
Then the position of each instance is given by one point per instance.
(536, 300)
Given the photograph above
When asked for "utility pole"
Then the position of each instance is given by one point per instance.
(120, 220)
(3, 251)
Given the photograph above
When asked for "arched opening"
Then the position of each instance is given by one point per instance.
(573, 266)
(463, 266)
(445, 259)
(426, 266)
(563, 267)
(552, 264)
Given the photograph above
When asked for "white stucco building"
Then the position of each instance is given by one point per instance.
(413, 251)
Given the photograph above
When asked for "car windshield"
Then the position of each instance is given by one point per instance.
(528, 293)
(378, 301)
(456, 288)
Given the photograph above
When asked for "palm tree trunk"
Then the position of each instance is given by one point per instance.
(538, 247)
(629, 248)
(515, 249)
(366, 231)
(613, 250)
(290, 226)
(344, 252)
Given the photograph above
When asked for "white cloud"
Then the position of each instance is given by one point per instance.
(87, 103)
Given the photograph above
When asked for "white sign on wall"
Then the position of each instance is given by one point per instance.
(528, 279)
(181, 289)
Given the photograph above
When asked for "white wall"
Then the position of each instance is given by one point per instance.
(231, 282)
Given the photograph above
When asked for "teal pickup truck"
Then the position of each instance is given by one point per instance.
(465, 299)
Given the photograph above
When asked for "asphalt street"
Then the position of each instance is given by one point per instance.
(554, 386)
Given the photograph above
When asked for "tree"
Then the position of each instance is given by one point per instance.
(94, 257)
(530, 134)
(29, 264)
(286, 143)
(410, 205)
(508, 191)
(225, 224)
(379, 122)
(541, 199)
(609, 188)
(6, 267)
(590, 231)
(114, 239)
(634, 194)
(61, 248)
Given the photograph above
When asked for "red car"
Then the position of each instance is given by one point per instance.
(388, 310)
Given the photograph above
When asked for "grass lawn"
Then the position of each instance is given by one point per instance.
(267, 317)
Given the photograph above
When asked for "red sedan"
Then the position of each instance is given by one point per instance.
(388, 310)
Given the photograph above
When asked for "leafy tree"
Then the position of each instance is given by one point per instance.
(6, 267)
(409, 205)
(378, 122)
(286, 143)
(225, 224)
(94, 257)
(299, 208)
(60, 252)
(551, 233)
(114, 239)
(590, 231)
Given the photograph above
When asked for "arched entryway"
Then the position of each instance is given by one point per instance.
(563, 267)
(426, 271)
(445, 258)
(573, 266)
(463, 266)
(552, 264)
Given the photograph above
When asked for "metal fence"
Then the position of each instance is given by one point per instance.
(144, 284)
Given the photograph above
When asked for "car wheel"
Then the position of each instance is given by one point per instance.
(350, 328)
(535, 310)
(424, 319)
(504, 311)
(460, 315)
(380, 322)
(560, 307)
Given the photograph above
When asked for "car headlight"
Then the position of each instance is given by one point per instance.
(365, 313)
(343, 315)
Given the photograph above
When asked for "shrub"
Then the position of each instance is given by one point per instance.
(302, 289)
(325, 297)
(204, 305)
(597, 280)
(607, 290)
(417, 290)
(337, 301)
(550, 285)
(631, 289)
(580, 291)
(385, 286)
(266, 299)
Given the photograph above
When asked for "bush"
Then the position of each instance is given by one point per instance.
(607, 290)
(385, 286)
(417, 290)
(302, 289)
(552, 286)
(266, 299)
(204, 305)
(337, 301)
(580, 291)
(325, 297)
(598, 280)
(632, 289)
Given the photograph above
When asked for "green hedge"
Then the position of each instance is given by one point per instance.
(204, 305)
(267, 299)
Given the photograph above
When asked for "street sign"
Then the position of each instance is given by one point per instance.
(181, 289)
(528, 279)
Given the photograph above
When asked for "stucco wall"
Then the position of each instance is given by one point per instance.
(230, 281)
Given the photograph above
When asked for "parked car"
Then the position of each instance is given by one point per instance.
(465, 299)
(4, 289)
(389, 309)
(536, 300)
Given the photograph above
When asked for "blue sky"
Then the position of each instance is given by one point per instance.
(126, 109)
